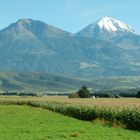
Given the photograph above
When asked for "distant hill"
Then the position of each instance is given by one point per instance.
(38, 83)
(49, 83)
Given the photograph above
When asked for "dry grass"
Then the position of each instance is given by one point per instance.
(109, 102)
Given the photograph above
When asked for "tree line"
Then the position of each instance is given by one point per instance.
(19, 94)
(83, 92)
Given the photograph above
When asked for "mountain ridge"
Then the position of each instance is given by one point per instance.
(34, 46)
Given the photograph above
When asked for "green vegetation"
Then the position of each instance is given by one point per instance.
(83, 92)
(27, 123)
(73, 95)
(138, 94)
(128, 116)
(37, 83)
(111, 95)
(43, 83)
(19, 94)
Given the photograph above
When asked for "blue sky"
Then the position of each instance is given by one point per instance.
(70, 15)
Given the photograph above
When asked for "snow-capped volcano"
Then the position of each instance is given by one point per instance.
(112, 30)
(106, 27)
(110, 24)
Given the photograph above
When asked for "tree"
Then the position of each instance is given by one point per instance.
(83, 92)
(138, 94)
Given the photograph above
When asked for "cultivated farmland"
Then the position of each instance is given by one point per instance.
(27, 123)
(114, 112)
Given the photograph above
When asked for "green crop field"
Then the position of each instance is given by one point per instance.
(28, 123)
(121, 112)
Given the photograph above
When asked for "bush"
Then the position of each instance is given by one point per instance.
(117, 96)
(104, 95)
(73, 95)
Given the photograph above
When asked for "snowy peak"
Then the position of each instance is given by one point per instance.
(106, 28)
(113, 25)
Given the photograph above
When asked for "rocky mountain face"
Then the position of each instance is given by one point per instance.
(105, 48)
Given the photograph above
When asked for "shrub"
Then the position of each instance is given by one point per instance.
(73, 95)
(117, 96)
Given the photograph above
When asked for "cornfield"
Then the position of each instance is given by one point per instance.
(125, 111)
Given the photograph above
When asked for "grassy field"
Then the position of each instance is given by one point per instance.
(113, 112)
(27, 123)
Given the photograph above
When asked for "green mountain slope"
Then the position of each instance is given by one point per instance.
(35, 82)
(49, 83)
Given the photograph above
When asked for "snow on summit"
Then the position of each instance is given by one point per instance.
(110, 24)
(106, 27)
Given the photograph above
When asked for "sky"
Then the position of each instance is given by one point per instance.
(70, 15)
